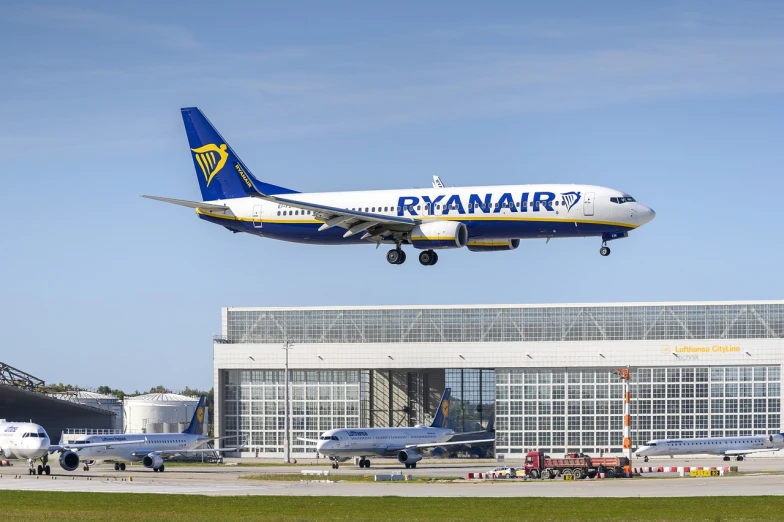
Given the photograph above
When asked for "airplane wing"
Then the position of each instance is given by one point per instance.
(192, 204)
(77, 447)
(307, 440)
(182, 451)
(441, 444)
(374, 225)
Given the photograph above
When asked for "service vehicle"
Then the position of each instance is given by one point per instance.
(537, 464)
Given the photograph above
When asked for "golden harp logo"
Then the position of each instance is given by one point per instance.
(211, 158)
(200, 414)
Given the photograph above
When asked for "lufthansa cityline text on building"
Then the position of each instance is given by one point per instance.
(482, 219)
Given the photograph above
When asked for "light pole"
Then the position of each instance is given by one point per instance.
(287, 423)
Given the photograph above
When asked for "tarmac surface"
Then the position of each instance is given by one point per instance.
(761, 477)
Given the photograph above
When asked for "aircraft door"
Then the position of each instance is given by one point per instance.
(588, 204)
(256, 216)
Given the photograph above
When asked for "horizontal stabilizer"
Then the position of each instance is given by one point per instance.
(192, 204)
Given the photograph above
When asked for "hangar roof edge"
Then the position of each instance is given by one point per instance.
(493, 306)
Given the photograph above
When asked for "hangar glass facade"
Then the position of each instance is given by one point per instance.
(472, 405)
(507, 324)
(254, 406)
(563, 410)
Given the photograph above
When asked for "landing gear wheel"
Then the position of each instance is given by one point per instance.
(645, 459)
(40, 469)
(47, 470)
(116, 466)
(396, 256)
(428, 258)
(367, 463)
(726, 458)
(413, 466)
(162, 468)
(604, 251)
(740, 458)
(155, 470)
(362, 462)
(86, 467)
(122, 466)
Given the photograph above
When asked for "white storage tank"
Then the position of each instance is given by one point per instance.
(97, 400)
(159, 411)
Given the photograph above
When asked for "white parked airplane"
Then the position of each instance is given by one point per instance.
(403, 443)
(481, 219)
(149, 449)
(29, 441)
(726, 446)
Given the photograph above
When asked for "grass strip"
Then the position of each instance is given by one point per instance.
(129, 507)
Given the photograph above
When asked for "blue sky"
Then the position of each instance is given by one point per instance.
(680, 104)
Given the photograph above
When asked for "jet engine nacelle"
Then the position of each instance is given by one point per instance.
(409, 457)
(776, 439)
(69, 460)
(439, 234)
(152, 461)
(493, 245)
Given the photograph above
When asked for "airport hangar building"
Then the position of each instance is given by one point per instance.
(544, 371)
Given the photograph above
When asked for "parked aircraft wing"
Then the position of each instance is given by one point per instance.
(77, 447)
(441, 444)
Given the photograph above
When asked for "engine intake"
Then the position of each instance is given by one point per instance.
(439, 234)
(493, 245)
(776, 439)
(152, 461)
(69, 460)
(409, 457)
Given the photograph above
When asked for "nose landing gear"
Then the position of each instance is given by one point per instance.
(335, 463)
(605, 250)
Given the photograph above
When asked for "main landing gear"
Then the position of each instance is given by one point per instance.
(428, 258)
(364, 463)
(42, 468)
(396, 256)
(119, 466)
(605, 250)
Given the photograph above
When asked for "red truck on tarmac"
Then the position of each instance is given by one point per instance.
(537, 464)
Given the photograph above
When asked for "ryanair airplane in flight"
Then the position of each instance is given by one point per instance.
(481, 219)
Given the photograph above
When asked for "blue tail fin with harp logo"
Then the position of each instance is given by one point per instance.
(221, 173)
(443, 410)
(197, 422)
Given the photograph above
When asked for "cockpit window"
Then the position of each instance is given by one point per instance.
(42, 434)
(622, 199)
(651, 444)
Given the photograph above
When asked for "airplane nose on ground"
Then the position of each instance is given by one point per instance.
(645, 215)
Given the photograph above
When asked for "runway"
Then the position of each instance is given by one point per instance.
(226, 481)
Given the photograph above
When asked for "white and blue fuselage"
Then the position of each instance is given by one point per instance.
(496, 213)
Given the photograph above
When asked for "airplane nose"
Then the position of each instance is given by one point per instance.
(645, 215)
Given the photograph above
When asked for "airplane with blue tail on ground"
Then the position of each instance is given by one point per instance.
(404, 443)
(480, 218)
(151, 449)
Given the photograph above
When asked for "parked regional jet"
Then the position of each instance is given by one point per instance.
(481, 218)
(403, 443)
(149, 448)
(726, 446)
(29, 441)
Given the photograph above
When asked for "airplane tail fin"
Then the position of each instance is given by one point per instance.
(491, 425)
(221, 173)
(443, 410)
(197, 422)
